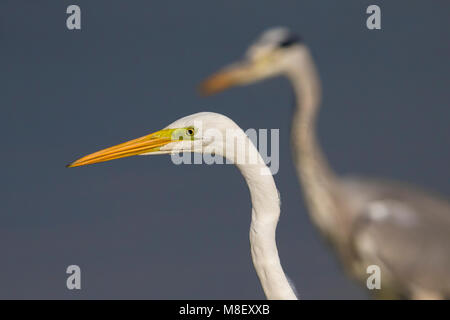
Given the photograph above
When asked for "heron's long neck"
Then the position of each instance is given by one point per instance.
(265, 214)
(318, 179)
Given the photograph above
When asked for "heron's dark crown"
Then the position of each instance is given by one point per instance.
(290, 40)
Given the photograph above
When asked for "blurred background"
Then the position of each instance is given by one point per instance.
(143, 227)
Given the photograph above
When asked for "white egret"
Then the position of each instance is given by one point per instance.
(206, 132)
(403, 230)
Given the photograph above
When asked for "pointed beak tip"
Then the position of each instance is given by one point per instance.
(142, 145)
(203, 90)
(211, 86)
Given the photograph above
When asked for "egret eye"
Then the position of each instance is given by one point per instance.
(190, 131)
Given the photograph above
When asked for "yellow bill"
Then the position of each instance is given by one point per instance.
(146, 144)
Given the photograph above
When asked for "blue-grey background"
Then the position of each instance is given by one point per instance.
(144, 228)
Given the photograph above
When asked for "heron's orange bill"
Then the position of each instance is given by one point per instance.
(146, 144)
(224, 79)
(217, 82)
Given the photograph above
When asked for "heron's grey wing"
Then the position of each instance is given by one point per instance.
(405, 231)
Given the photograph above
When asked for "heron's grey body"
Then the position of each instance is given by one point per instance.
(399, 228)
(404, 231)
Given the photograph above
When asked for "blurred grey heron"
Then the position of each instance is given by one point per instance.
(402, 229)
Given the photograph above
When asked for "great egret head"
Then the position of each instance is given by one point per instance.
(272, 54)
(201, 132)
